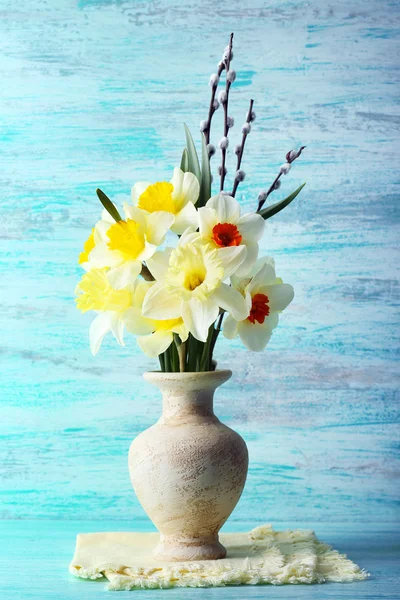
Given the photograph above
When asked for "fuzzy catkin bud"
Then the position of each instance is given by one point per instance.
(210, 150)
(230, 122)
(262, 196)
(285, 169)
(251, 116)
(215, 104)
(240, 175)
(203, 125)
(222, 96)
(220, 170)
(277, 184)
(246, 128)
(238, 150)
(214, 80)
(231, 76)
(223, 143)
(293, 154)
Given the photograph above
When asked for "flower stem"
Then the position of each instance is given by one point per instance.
(145, 273)
(272, 186)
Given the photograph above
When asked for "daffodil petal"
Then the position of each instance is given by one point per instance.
(230, 327)
(117, 329)
(156, 343)
(248, 263)
(138, 189)
(159, 304)
(186, 188)
(136, 214)
(136, 323)
(158, 224)
(251, 227)
(279, 296)
(264, 276)
(100, 231)
(120, 277)
(140, 289)
(232, 301)
(207, 221)
(231, 258)
(226, 207)
(187, 217)
(255, 336)
(198, 316)
(147, 252)
(101, 256)
(99, 327)
(158, 263)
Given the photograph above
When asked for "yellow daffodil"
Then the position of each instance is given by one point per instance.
(177, 197)
(153, 336)
(221, 225)
(190, 284)
(267, 296)
(123, 246)
(94, 292)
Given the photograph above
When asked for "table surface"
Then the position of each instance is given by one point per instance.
(35, 556)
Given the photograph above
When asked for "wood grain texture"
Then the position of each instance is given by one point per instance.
(94, 93)
(45, 549)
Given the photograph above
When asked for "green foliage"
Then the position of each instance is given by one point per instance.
(205, 182)
(108, 205)
(185, 161)
(193, 159)
(272, 210)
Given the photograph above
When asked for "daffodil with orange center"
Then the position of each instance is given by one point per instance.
(222, 226)
(266, 296)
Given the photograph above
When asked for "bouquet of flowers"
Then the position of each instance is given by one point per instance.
(177, 299)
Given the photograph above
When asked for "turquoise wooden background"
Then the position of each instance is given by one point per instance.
(94, 93)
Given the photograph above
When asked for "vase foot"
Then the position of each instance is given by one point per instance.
(173, 548)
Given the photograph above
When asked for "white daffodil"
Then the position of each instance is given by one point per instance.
(267, 296)
(154, 336)
(189, 284)
(178, 197)
(122, 246)
(94, 292)
(221, 225)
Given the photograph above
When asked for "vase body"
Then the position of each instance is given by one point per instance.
(189, 469)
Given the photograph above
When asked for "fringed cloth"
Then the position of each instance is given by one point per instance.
(259, 557)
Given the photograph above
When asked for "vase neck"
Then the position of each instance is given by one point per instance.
(188, 397)
(182, 406)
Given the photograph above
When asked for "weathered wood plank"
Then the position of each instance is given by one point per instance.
(94, 94)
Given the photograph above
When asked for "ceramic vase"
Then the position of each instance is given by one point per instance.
(189, 469)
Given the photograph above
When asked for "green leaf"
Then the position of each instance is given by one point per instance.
(108, 205)
(205, 183)
(272, 210)
(193, 159)
(185, 161)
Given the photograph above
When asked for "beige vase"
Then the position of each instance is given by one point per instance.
(189, 469)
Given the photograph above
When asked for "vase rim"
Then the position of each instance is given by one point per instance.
(218, 375)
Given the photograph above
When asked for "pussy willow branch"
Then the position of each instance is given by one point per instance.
(272, 186)
(225, 107)
(212, 109)
(240, 154)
